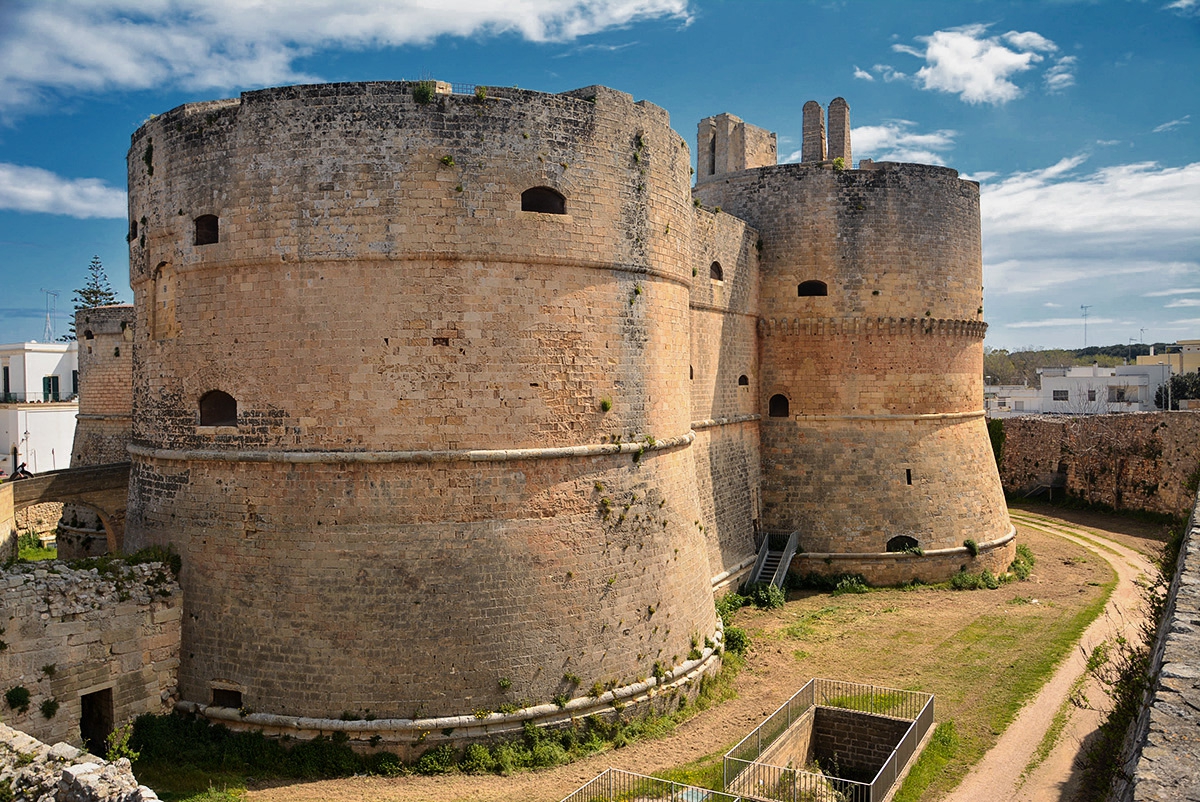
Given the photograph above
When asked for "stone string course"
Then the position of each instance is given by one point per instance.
(35, 772)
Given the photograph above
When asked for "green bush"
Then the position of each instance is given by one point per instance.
(49, 708)
(850, 583)
(1022, 565)
(423, 92)
(17, 698)
(729, 604)
(736, 640)
(438, 760)
(972, 547)
(765, 596)
(477, 760)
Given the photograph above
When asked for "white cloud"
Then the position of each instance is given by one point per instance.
(980, 177)
(1062, 75)
(32, 189)
(1176, 291)
(862, 74)
(896, 140)
(1182, 302)
(1172, 125)
(1108, 142)
(1052, 305)
(889, 73)
(1184, 8)
(966, 61)
(1058, 321)
(213, 44)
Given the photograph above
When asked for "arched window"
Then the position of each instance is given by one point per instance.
(543, 200)
(901, 543)
(743, 380)
(218, 409)
(715, 271)
(87, 335)
(808, 288)
(778, 406)
(208, 229)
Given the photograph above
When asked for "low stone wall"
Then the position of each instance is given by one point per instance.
(896, 568)
(40, 518)
(1138, 461)
(67, 634)
(31, 770)
(8, 523)
(1164, 758)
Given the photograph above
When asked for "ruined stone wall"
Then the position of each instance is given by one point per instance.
(857, 743)
(32, 770)
(69, 632)
(1138, 461)
(880, 363)
(462, 446)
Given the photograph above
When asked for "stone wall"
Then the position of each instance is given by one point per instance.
(871, 333)
(462, 446)
(8, 523)
(1139, 461)
(71, 632)
(1163, 758)
(32, 770)
(858, 744)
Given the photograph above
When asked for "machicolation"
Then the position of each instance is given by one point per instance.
(456, 404)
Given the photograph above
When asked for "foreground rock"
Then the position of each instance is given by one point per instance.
(31, 770)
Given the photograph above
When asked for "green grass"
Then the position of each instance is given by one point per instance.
(997, 663)
(940, 752)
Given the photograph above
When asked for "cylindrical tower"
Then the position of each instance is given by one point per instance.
(875, 444)
(411, 396)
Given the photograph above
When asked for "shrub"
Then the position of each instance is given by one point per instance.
(765, 596)
(118, 744)
(1022, 565)
(729, 604)
(477, 760)
(839, 164)
(972, 547)
(423, 92)
(736, 640)
(49, 708)
(17, 698)
(605, 404)
(850, 583)
(438, 760)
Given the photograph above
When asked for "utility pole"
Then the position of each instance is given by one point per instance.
(51, 312)
(1085, 314)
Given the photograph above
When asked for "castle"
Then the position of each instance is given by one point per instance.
(457, 403)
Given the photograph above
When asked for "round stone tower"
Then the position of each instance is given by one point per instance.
(874, 444)
(407, 400)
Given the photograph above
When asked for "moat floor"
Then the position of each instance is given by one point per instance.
(965, 647)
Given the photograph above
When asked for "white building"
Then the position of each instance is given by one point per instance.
(1009, 400)
(1092, 390)
(38, 405)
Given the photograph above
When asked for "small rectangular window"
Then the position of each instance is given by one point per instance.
(1062, 395)
(223, 697)
(1091, 395)
(908, 475)
(49, 388)
(74, 382)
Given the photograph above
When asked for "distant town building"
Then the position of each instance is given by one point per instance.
(1092, 390)
(1185, 359)
(38, 404)
(1007, 400)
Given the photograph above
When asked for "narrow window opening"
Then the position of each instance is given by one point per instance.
(218, 409)
(132, 230)
(441, 340)
(96, 719)
(778, 406)
(812, 288)
(691, 373)
(902, 543)
(208, 229)
(87, 335)
(743, 380)
(223, 697)
(74, 382)
(712, 154)
(908, 475)
(715, 272)
(543, 200)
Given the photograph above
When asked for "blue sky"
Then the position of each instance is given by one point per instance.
(1079, 118)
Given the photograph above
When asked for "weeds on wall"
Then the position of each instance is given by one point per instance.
(176, 744)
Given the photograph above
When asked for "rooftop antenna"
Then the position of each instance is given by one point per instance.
(1085, 313)
(1142, 336)
(51, 312)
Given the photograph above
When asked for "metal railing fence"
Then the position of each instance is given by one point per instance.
(615, 785)
(912, 706)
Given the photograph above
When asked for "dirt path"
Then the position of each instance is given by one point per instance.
(1000, 774)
